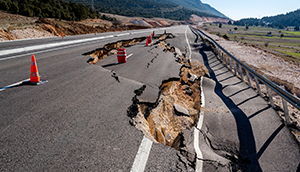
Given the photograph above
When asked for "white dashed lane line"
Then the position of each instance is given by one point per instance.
(13, 85)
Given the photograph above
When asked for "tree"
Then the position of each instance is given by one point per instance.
(229, 22)
(220, 25)
(225, 37)
(247, 27)
(37, 10)
(14, 8)
(281, 26)
(297, 28)
(282, 35)
(235, 28)
(83, 14)
(4, 6)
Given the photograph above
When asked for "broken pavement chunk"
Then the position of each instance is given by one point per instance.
(192, 77)
(179, 110)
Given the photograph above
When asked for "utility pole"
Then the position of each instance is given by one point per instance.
(93, 4)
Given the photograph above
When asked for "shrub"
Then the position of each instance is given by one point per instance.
(267, 44)
(225, 37)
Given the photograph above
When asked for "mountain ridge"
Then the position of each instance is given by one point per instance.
(171, 9)
(195, 5)
(279, 21)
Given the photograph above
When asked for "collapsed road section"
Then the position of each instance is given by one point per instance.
(175, 108)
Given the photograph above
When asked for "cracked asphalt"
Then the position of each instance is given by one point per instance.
(241, 132)
(78, 120)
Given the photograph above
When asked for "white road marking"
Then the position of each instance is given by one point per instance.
(199, 162)
(142, 155)
(52, 45)
(187, 41)
(12, 85)
(129, 55)
(38, 47)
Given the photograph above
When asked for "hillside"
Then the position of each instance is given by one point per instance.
(195, 5)
(152, 8)
(279, 21)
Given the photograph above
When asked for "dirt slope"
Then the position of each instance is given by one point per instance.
(20, 27)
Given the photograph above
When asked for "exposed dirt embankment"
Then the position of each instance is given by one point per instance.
(14, 27)
(75, 28)
(5, 35)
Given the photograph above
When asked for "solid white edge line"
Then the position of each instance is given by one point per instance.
(199, 162)
(142, 156)
(52, 45)
(187, 41)
(12, 85)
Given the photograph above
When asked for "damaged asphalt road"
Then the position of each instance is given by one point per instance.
(81, 119)
(240, 131)
(78, 120)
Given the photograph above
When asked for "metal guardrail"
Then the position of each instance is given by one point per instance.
(235, 64)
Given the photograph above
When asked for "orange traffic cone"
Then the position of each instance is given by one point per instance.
(147, 42)
(34, 75)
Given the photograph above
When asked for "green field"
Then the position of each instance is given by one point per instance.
(292, 32)
(283, 41)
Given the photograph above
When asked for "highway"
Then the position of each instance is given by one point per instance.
(78, 121)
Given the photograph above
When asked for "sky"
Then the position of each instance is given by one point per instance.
(238, 9)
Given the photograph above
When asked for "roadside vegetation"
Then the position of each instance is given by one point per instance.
(281, 21)
(283, 42)
(51, 8)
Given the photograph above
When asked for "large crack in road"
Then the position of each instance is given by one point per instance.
(110, 49)
(170, 118)
(177, 107)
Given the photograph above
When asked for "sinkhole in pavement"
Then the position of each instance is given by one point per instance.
(178, 103)
(177, 107)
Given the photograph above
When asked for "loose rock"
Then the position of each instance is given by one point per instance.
(179, 110)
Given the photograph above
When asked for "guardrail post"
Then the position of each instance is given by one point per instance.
(230, 61)
(286, 112)
(257, 85)
(269, 91)
(248, 77)
(241, 72)
(226, 61)
(288, 98)
(222, 58)
(235, 68)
